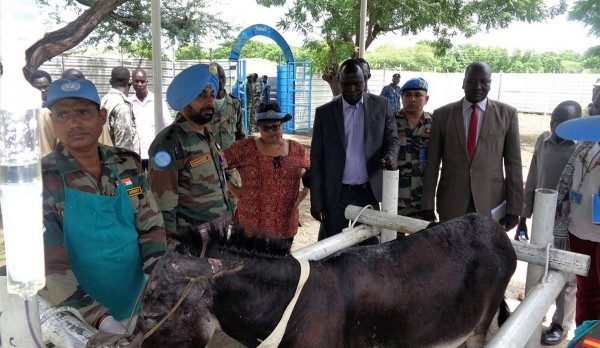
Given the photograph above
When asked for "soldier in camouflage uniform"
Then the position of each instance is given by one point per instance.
(250, 104)
(226, 124)
(414, 129)
(104, 231)
(186, 169)
(121, 120)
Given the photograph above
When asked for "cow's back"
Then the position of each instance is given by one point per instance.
(433, 287)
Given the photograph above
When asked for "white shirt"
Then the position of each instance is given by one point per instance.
(586, 184)
(468, 110)
(144, 117)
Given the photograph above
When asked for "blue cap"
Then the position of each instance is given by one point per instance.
(190, 83)
(71, 88)
(584, 129)
(272, 115)
(416, 83)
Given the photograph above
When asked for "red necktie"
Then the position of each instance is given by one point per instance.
(472, 141)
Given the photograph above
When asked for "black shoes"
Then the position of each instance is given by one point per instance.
(553, 335)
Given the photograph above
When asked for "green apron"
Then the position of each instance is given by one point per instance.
(102, 243)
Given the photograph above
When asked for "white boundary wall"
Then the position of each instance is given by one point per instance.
(528, 92)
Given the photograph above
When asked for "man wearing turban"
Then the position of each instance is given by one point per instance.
(186, 165)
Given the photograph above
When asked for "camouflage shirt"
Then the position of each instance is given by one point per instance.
(226, 124)
(121, 121)
(186, 173)
(62, 287)
(411, 162)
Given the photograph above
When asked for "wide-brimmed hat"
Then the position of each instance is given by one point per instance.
(71, 88)
(190, 82)
(583, 129)
(271, 115)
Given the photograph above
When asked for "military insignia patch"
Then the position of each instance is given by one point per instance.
(198, 161)
(162, 159)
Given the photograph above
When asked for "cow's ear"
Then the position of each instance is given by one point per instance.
(223, 267)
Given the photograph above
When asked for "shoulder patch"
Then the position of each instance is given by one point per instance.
(162, 159)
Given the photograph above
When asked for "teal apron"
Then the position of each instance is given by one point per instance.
(102, 242)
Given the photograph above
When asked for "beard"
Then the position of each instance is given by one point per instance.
(201, 116)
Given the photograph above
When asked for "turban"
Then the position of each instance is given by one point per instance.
(190, 83)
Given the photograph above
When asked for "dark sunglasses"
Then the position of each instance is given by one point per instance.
(265, 128)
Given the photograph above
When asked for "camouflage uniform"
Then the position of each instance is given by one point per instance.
(186, 173)
(250, 106)
(62, 288)
(226, 124)
(226, 127)
(121, 121)
(411, 162)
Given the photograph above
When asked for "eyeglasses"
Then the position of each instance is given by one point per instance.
(265, 128)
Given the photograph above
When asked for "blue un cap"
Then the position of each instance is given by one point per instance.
(416, 83)
(71, 88)
(190, 83)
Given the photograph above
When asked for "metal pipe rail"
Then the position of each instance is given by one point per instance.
(522, 324)
(333, 244)
(560, 260)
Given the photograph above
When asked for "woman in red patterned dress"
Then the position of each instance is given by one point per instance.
(271, 169)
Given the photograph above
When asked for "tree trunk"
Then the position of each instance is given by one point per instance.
(331, 76)
(63, 39)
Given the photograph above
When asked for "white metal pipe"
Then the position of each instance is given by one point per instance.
(384, 220)
(560, 260)
(389, 201)
(348, 237)
(362, 30)
(63, 326)
(522, 323)
(542, 226)
(157, 65)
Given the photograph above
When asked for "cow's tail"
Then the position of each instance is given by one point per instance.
(503, 312)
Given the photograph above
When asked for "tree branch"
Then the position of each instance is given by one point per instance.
(65, 38)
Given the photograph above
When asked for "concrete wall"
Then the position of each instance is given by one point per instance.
(535, 93)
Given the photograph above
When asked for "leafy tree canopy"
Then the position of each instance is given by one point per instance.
(587, 12)
(338, 20)
(183, 22)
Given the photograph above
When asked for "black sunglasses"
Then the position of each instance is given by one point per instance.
(265, 128)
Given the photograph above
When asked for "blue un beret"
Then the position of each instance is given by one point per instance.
(416, 83)
(190, 83)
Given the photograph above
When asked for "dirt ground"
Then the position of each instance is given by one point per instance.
(530, 127)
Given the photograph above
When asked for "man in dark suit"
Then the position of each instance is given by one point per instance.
(477, 141)
(354, 138)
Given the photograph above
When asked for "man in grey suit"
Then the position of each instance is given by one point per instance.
(477, 141)
(354, 138)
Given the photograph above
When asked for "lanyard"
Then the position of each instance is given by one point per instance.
(590, 167)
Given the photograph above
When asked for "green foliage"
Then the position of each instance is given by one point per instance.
(319, 53)
(183, 22)
(587, 12)
(337, 20)
(422, 57)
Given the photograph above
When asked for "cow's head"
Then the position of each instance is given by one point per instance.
(186, 279)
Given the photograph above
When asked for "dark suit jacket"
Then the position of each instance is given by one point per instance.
(328, 154)
(498, 152)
